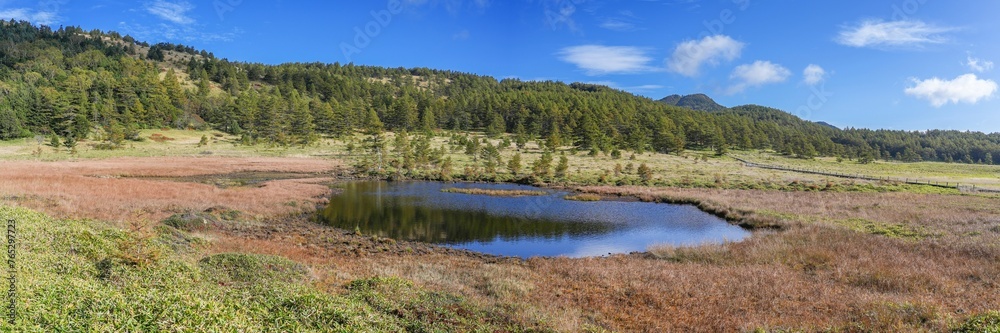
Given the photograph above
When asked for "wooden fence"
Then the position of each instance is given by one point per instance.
(914, 181)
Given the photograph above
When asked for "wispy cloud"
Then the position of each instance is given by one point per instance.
(600, 59)
(813, 75)
(176, 12)
(634, 89)
(185, 33)
(30, 15)
(979, 65)
(690, 56)
(963, 89)
(882, 34)
(757, 74)
(623, 22)
(617, 25)
(452, 6)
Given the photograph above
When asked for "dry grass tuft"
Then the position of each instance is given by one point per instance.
(583, 197)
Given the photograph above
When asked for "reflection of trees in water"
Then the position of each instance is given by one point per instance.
(363, 205)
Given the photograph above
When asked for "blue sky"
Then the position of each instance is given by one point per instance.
(901, 64)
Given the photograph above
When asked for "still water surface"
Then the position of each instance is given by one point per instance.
(519, 226)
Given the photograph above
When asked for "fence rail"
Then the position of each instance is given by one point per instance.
(913, 181)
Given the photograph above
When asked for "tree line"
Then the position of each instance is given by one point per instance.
(78, 84)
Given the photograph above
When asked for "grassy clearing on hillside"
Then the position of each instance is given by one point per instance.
(78, 275)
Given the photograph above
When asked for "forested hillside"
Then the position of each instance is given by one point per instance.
(70, 84)
(699, 102)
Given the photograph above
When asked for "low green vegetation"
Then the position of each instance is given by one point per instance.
(901, 231)
(495, 193)
(985, 323)
(78, 275)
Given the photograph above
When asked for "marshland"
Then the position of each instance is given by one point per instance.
(853, 254)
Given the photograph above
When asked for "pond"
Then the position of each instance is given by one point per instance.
(544, 225)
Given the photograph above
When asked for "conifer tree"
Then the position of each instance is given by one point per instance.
(562, 167)
(514, 164)
(542, 167)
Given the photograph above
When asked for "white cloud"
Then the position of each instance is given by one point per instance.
(624, 21)
(171, 11)
(617, 25)
(813, 74)
(963, 89)
(757, 74)
(877, 33)
(979, 65)
(690, 56)
(25, 14)
(599, 59)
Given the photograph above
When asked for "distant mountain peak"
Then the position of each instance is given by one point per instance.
(700, 102)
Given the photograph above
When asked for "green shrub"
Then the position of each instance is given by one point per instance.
(237, 268)
(985, 323)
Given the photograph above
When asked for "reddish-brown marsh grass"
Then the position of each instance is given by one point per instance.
(809, 277)
(95, 189)
(816, 274)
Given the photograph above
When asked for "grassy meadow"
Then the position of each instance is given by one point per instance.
(828, 254)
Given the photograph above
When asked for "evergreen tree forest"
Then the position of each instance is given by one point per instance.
(69, 84)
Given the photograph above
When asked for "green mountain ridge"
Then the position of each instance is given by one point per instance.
(700, 102)
(70, 84)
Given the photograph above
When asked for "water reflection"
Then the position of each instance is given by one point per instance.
(518, 226)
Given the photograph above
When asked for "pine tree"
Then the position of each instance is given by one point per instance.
(496, 126)
(554, 141)
(173, 89)
(514, 164)
(491, 159)
(403, 113)
(427, 120)
(562, 167)
(374, 142)
(521, 137)
(542, 166)
(301, 125)
(54, 142)
(472, 148)
(645, 173)
(203, 87)
(444, 173)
